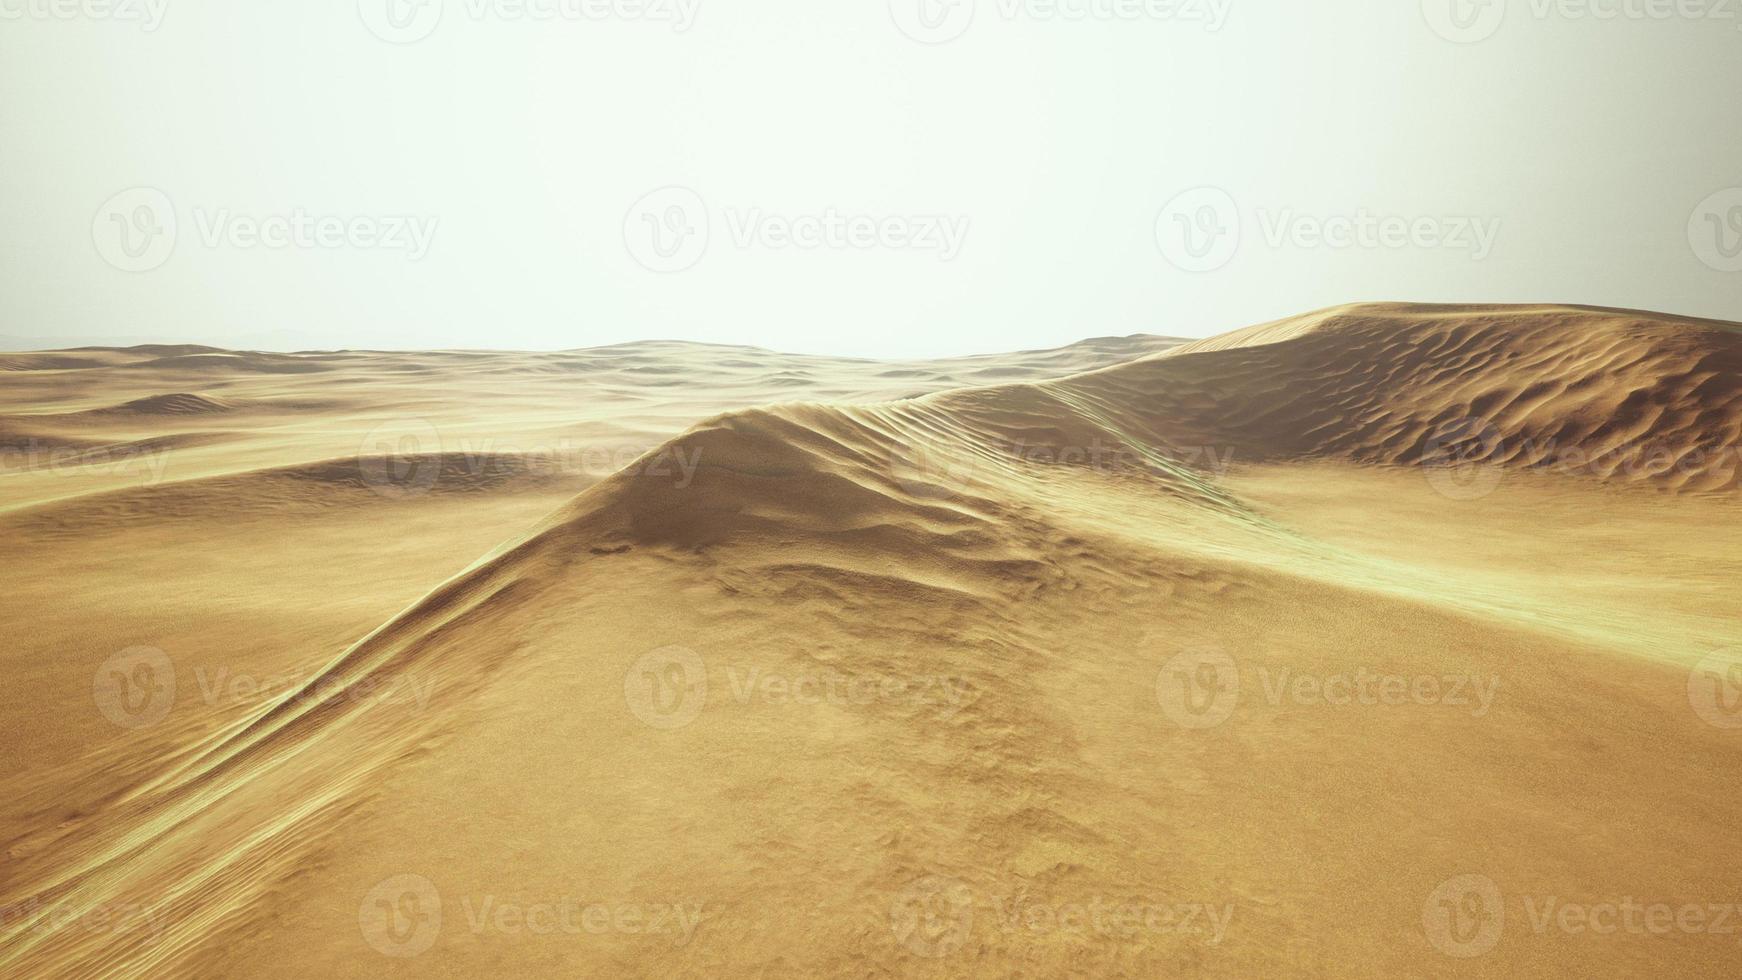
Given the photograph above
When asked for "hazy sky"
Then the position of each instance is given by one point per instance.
(875, 177)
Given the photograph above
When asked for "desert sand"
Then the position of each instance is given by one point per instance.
(1383, 641)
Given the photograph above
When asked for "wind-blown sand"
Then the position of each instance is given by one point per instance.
(1381, 641)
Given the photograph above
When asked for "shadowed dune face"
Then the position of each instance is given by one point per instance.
(1366, 643)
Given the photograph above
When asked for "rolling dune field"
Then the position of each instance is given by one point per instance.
(1387, 640)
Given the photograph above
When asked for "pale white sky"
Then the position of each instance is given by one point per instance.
(871, 177)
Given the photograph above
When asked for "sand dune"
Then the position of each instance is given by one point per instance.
(1344, 645)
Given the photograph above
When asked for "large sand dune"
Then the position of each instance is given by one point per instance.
(1383, 641)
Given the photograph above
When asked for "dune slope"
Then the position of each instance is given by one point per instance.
(1240, 659)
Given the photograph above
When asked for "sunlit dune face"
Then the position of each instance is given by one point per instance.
(1381, 641)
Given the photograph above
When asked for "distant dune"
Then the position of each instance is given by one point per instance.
(1341, 645)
